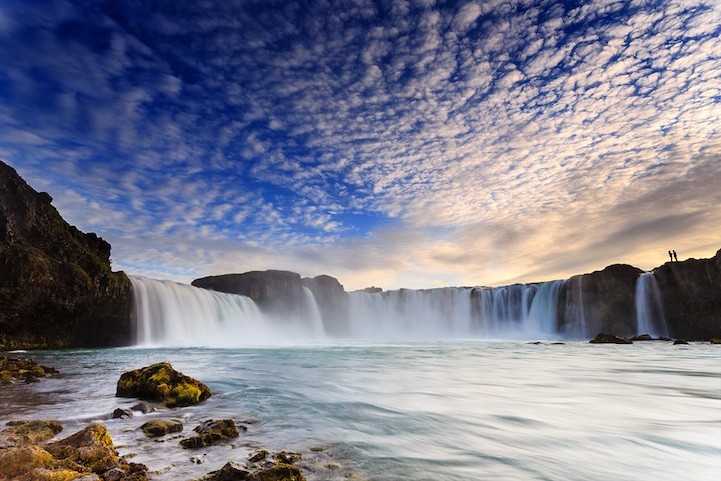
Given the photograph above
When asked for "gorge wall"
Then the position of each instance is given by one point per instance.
(56, 286)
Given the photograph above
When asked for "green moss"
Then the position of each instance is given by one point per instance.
(160, 382)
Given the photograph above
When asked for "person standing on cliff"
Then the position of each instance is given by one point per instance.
(670, 255)
(675, 257)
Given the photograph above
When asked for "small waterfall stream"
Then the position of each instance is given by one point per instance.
(650, 318)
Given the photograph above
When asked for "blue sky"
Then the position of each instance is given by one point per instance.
(399, 143)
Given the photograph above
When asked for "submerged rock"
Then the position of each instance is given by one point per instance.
(156, 428)
(259, 455)
(680, 341)
(287, 457)
(603, 338)
(211, 432)
(160, 382)
(14, 369)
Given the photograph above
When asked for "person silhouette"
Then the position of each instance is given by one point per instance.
(670, 255)
(675, 257)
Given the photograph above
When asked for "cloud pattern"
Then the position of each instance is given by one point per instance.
(404, 143)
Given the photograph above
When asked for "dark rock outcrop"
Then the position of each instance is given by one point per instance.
(277, 292)
(211, 432)
(608, 298)
(56, 285)
(691, 294)
(332, 300)
(603, 338)
(160, 382)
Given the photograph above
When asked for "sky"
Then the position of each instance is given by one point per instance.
(398, 143)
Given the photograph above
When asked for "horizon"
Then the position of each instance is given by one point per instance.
(415, 144)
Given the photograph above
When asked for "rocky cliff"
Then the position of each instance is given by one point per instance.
(56, 285)
(332, 300)
(278, 292)
(691, 295)
(605, 299)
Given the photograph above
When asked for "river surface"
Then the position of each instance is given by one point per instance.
(441, 411)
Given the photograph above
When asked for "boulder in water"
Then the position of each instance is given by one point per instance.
(715, 340)
(160, 382)
(643, 337)
(156, 428)
(211, 432)
(14, 369)
(17, 461)
(680, 341)
(31, 432)
(603, 338)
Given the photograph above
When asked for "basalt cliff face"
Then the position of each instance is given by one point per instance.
(56, 285)
(691, 294)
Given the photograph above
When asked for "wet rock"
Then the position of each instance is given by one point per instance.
(122, 413)
(231, 471)
(16, 369)
(31, 432)
(643, 337)
(664, 338)
(258, 456)
(715, 340)
(160, 382)
(156, 428)
(287, 457)
(211, 432)
(680, 341)
(279, 472)
(144, 408)
(603, 338)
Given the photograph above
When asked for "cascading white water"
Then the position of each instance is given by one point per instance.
(650, 318)
(168, 313)
(519, 310)
(171, 314)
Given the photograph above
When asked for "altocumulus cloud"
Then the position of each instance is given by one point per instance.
(404, 143)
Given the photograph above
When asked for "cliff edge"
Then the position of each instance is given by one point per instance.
(56, 285)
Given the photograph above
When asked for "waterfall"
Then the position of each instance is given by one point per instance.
(168, 313)
(171, 314)
(575, 309)
(650, 318)
(312, 313)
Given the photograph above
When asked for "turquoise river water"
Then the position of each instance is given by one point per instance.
(442, 410)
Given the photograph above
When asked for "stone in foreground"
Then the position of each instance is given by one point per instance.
(160, 382)
(156, 428)
(211, 432)
(603, 338)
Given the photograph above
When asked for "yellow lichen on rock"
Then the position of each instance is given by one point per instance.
(160, 382)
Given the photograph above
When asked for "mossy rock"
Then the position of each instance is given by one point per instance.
(43, 474)
(160, 382)
(279, 472)
(211, 432)
(31, 432)
(287, 457)
(156, 428)
(90, 450)
(17, 461)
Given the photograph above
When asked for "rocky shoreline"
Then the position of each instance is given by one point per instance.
(32, 450)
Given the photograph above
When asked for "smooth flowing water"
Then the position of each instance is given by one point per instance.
(440, 410)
